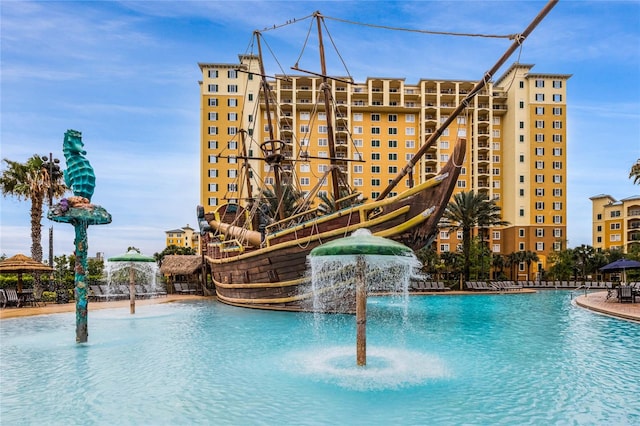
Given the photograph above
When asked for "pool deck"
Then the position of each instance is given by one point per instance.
(598, 302)
(54, 308)
(594, 301)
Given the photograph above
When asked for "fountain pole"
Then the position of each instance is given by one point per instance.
(79, 212)
(361, 311)
(132, 290)
(361, 244)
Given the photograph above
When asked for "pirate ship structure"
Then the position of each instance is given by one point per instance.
(256, 247)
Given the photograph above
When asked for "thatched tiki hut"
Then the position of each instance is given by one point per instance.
(185, 270)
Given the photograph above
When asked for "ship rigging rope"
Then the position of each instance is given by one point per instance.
(387, 27)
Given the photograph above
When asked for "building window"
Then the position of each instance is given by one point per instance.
(615, 226)
(393, 130)
(539, 110)
(232, 74)
(521, 246)
(539, 97)
(557, 232)
(539, 83)
(539, 137)
(521, 213)
(557, 138)
(358, 182)
(393, 117)
(557, 98)
(393, 144)
(539, 218)
(557, 84)
(615, 213)
(232, 102)
(539, 165)
(357, 130)
(539, 124)
(539, 151)
(539, 246)
(540, 192)
(557, 152)
(304, 181)
(557, 111)
(539, 178)
(375, 117)
(213, 88)
(393, 156)
(213, 101)
(539, 205)
(557, 124)
(557, 205)
(521, 104)
(521, 232)
(557, 165)
(232, 88)
(539, 232)
(375, 169)
(557, 192)
(375, 182)
(557, 219)
(444, 248)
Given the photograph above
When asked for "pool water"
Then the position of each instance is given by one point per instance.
(482, 359)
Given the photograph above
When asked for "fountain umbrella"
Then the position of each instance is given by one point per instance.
(21, 264)
(132, 257)
(621, 265)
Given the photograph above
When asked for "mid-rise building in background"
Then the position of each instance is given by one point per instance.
(616, 224)
(183, 237)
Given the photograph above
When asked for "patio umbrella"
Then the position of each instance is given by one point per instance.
(21, 264)
(621, 265)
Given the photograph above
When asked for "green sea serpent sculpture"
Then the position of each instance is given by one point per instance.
(79, 212)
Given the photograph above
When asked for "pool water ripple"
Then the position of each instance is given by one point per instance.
(518, 359)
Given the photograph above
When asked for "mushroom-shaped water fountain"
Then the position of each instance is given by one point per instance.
(131, 259)
(364, 246)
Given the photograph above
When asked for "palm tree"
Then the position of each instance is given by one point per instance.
(529, 257)
(467, 211)
(635, 172)
(31, 181)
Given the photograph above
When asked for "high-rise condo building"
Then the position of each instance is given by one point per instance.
(515, 128)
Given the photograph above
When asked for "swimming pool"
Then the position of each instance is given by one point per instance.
(482, 359)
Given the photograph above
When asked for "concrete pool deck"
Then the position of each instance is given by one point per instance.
(598, 302)
(54, 308)
(594, 301)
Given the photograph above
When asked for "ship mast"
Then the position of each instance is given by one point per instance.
(271, 148)
(326, 88)
(466, 101)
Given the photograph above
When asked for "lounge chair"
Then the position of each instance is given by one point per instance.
(11, 296)
(625, 294)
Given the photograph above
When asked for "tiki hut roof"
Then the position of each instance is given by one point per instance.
(20, 264)
(175, 264)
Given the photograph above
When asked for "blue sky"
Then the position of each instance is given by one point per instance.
(125, 73)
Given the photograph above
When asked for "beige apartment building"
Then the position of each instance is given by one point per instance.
(616, 224)
(183, 237)
(515, 128)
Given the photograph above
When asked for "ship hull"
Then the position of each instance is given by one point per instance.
(276, 275)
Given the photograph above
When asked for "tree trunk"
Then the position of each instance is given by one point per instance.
(36, 238)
